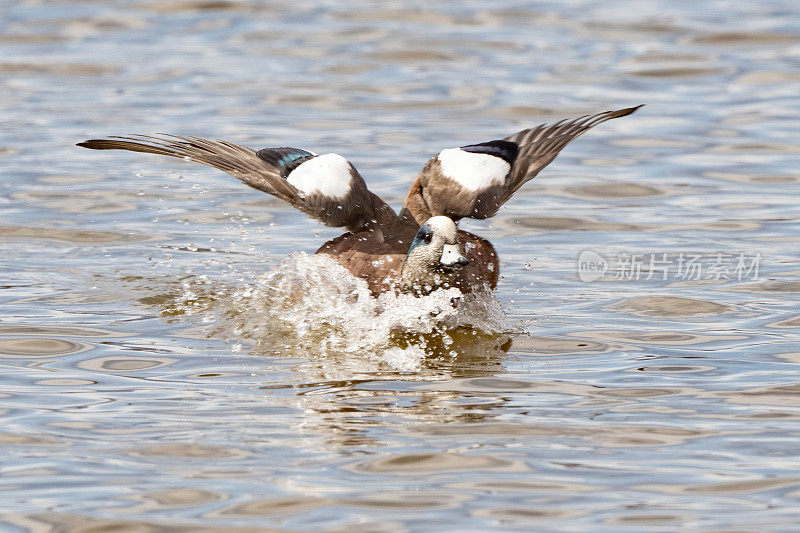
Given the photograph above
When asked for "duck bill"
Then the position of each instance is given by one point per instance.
(452, 258)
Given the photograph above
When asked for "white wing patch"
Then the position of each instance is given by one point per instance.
(474, 171)
(328, 175)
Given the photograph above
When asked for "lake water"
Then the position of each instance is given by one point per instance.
(169, 365)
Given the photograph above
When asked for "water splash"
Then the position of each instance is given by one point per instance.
(311, 305)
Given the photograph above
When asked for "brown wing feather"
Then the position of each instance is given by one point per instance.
(239, 161)
(244, 164)
(433, 193)
(540, 145)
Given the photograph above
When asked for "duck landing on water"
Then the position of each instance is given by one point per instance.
(420, 249)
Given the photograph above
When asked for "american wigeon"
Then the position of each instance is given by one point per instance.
(418, 250)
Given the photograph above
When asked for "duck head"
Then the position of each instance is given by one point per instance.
(434, 258)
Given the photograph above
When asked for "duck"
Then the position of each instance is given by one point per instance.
(416, 250)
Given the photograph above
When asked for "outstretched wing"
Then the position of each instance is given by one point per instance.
(540, 145)
(326, 186)
(475, 180)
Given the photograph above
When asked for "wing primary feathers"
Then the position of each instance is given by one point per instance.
(261, 171)
(236, 160)
(540, 145)
(437, 191)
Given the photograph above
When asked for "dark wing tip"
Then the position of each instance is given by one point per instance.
(133, 144)
(103, 144)
(94, 144)
(628, 110)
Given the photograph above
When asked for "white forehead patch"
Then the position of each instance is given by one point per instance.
(328, 175)
(441, 225)
(474, 171)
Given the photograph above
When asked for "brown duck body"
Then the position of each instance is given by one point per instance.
(377, 257)
(471, 181)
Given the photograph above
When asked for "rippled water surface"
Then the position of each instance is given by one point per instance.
(173, 359)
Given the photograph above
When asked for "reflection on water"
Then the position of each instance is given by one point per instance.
(670, 306)
(27, 347)
(171, 359)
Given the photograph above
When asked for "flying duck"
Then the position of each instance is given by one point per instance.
(418, 250)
